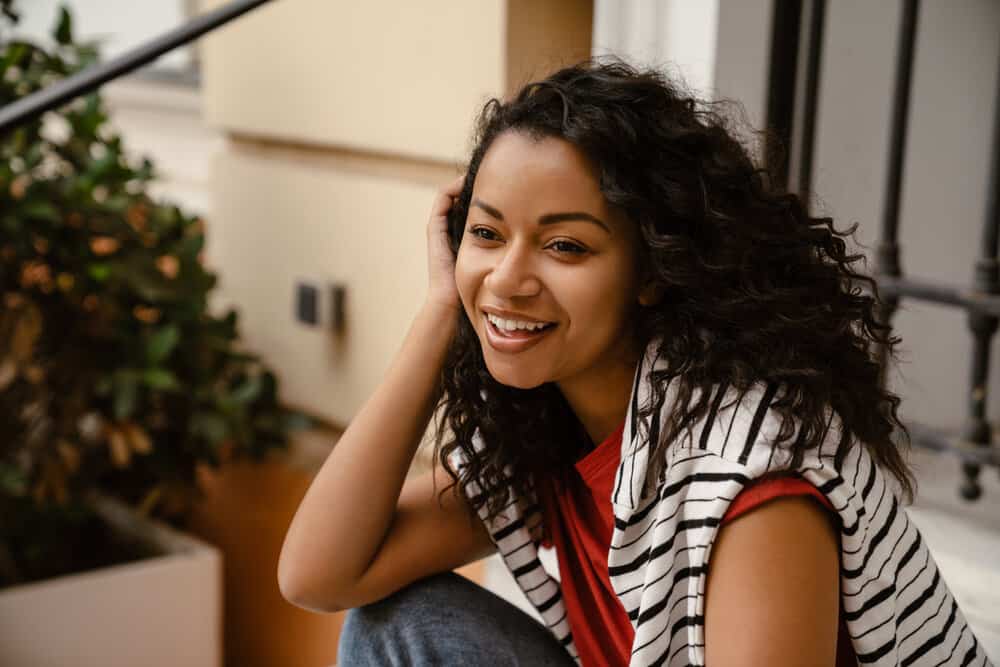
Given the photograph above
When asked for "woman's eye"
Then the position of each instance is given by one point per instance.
(563, 247)
(568, 247)
(475, 231)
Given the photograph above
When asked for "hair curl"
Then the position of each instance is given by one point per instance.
(741, 266)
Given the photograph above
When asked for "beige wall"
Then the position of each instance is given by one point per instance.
(281, 215)
(342, 119)
(393, 77)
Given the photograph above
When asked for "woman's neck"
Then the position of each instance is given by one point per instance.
(599, 399)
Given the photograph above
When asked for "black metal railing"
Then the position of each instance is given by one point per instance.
(91, 78)
(981, 300)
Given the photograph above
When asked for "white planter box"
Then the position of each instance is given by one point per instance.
(164, 610)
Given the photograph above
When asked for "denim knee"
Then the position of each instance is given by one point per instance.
(445, 619)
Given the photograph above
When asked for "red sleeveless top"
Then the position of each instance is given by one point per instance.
(578, 521)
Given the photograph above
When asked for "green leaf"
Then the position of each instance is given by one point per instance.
(189, 247)
(64, 30)
(41, 210)
(117, 203)
(34, 156)
(160, 378)
(15, 52)
(270, 384)
(100, 167)
(99, 272)
(146, 281)
(162, 343)
(126, 394)
(12, 480)
(247, 392)
(88, 53)
(146, 172)
(209, 425)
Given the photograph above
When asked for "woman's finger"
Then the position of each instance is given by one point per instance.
(446, 195)
(455, 187)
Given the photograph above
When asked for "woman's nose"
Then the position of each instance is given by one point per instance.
(513, 275)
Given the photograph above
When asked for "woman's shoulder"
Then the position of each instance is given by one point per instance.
(744, 429)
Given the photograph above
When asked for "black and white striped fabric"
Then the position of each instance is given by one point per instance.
(898, 609)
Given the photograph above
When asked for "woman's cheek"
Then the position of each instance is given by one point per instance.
(463, 280)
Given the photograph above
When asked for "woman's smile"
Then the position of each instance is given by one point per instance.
(513, 340)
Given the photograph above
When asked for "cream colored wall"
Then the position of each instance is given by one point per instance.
(396, 77)
(341, 120)
(280, 216)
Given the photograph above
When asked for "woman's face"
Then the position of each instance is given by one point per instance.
(541, 244)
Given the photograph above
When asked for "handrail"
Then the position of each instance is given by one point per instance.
(83, 82)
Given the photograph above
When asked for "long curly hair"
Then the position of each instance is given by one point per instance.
(753, 288)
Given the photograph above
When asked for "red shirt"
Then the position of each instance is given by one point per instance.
(579, 521)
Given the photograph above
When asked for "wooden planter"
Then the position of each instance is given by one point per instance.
(159, 611)
(246, 512)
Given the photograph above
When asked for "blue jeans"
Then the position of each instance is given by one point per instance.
(445, 619)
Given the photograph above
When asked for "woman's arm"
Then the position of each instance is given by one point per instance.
(773, 590)
(350, 505)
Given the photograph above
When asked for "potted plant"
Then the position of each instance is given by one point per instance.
(116, 382)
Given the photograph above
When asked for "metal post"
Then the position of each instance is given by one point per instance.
(887, 252)
(785, 24)
(810, 106)
(986, 280)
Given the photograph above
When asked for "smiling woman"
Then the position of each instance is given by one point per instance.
(540, 251)
(644, 356)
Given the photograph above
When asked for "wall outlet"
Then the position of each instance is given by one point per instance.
(317, 307)
(338, 292)
(307, 304)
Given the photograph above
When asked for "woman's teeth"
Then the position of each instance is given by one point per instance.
(514, 325)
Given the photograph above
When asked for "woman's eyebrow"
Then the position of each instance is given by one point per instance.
(548, 218)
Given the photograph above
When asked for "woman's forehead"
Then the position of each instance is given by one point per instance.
(547, 157)
(544, 175)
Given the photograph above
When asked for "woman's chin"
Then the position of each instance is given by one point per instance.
(518, 380)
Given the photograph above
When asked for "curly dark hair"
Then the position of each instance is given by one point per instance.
(753, 288)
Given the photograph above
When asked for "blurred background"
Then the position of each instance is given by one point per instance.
(310, 137)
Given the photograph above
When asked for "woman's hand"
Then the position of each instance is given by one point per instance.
(440, 258)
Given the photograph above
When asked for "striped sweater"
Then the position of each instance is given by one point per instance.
(897, 607)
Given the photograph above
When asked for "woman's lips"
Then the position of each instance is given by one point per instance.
(515, 341)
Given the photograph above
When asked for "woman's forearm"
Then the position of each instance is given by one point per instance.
(349, 506)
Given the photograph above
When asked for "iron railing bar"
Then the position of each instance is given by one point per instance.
(810, 102)
(900, 120)
(782, 69)
(938, 293)
(985, 280)
(991, 222)
(91, 78)
(939, 440)
(887, 251)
